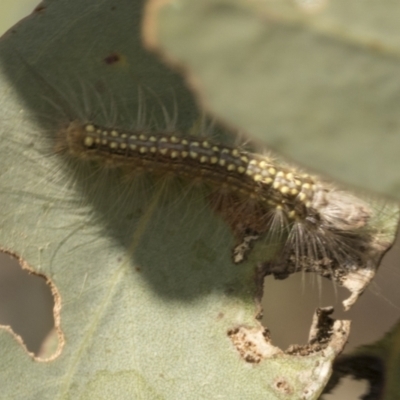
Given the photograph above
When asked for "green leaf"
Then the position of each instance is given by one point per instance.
(317, 81)
(148, 302)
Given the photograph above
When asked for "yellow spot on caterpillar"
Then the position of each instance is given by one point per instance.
(133, 137)
(244, 159)
(164, 140)
(280, 174)
(257, 178)
(143, 137)
(193, 154)
(203, 159)
(153, 149)
(289, 176)
(284, 190)
(195, 144)
(294, 192)
(174, 139)
(122, 146)
(263, 164)
(272, 171)
(297, 182)
(249, 172)
(124, 136)
(301, 197)
(90, 128)
(268, 181)
(215, 148)
(163, 151)
(222, 162)
(276, 185)
(174, 154)
(113, 145)
(153, 139)
(231, 167)
(104, 142)
(184, 142)
(214, 160)
(206, 145)
(241, 170)
(114, 133)
(143, 150)
(104, 133)
(292, 214)
(88, 141)
(264, 172)
(184, 154)
(235, 153)
(225, 151)
(306, 186)
(133, 146)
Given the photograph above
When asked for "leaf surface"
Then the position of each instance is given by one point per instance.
(148, 302)
(317, 81)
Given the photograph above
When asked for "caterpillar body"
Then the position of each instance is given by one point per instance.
(324, 229)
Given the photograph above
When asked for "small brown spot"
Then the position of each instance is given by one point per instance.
(251, 359)
(112, 58)
(39, 9)
(282, 386)
(376, 45)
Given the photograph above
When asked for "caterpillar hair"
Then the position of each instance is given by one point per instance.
(317, 226)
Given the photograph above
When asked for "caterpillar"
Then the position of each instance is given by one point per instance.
(320, 228)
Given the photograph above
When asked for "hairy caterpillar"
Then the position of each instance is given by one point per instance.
(322, 228)
(313, 225)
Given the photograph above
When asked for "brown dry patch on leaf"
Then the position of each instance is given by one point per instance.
(253, 344)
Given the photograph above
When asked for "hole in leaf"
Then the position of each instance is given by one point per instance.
(26, 303)
(289, 305)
